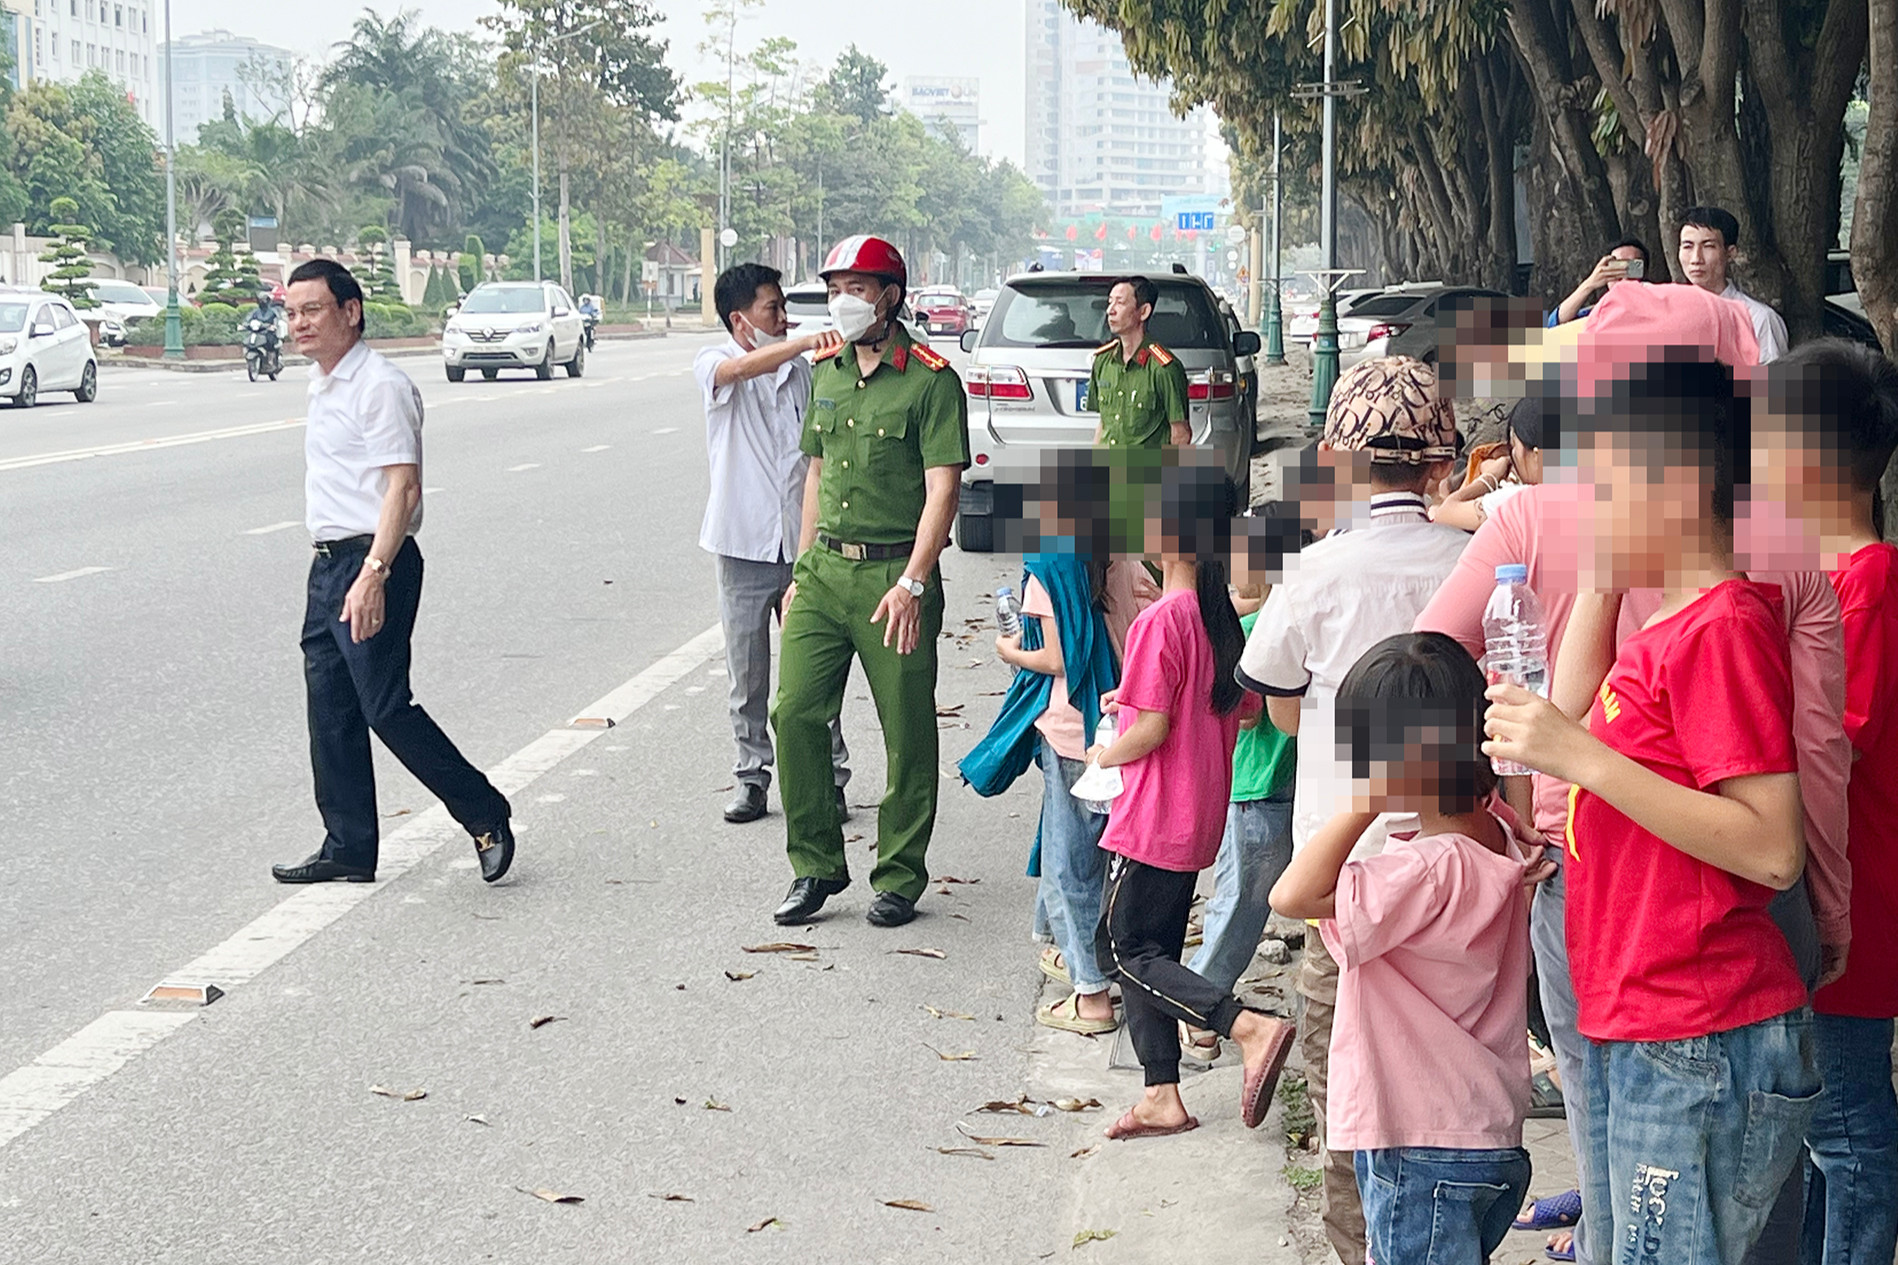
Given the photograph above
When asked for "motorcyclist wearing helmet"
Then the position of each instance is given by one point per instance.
(888, 436)
(266, 313)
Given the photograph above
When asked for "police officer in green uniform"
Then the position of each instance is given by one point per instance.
(888, 436)
(1138, 386)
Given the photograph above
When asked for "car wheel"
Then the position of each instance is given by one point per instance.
(545, 369)
(490, 374)
(578, 364)
(975, 533)
(88, 384)
(29, 389)
(456, 373)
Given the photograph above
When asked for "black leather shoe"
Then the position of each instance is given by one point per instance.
(320, 869)
(806, 897)
(890, 910)
(495, 847)
(747, 805)
(843, 806)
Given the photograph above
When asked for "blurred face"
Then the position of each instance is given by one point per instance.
(323, 331)
(1705, 256)
(1778, 527)
(766, 313)
(1124, 313)
(1640, 514)
(1524, 460)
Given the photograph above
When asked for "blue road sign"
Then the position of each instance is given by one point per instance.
(1196, 221)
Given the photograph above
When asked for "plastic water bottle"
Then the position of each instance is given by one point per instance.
(1110, 779)
(1515, 642)
(1007, 612)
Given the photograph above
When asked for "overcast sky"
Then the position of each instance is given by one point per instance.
(975, 38)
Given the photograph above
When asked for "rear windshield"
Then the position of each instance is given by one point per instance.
(1070, 313)
(120, 292)
(511, 300)
(807, 303)
(1385, 305)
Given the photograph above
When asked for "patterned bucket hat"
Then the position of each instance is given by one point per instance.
(1391, 408)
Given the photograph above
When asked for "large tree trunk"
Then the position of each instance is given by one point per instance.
(565, 231)
(1875, 214)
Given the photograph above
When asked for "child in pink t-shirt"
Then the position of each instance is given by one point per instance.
(1179, 709)
(1429, 1053)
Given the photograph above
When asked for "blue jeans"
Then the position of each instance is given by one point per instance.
(1689, 1142)
(1549, 939)
(1428, 1205)
(1073, 869)
(1254, 852)
(1852, 1169)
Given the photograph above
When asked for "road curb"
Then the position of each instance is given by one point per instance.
(298, 362)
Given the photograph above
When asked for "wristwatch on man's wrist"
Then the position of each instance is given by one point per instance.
(913, 587)
(376, 567)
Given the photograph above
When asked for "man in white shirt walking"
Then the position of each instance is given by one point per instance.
(1710, 238)
(363, 490)
(757, 386)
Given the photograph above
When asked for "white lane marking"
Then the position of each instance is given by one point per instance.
(158, 403)
(285, 525)
(141, 445)
(525, 465)
(667, 430)
(70, 575)
(30, 1094)
(597, 448)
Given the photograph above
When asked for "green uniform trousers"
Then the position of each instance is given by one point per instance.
(828, 623)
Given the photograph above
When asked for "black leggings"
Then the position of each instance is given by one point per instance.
(1141, 935)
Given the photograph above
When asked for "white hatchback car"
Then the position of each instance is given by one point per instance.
(122, 306)
(44, 346)
(515, 325)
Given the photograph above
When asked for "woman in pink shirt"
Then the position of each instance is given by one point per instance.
(1429, 1052)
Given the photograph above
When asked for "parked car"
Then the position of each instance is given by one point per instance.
(44, 346)
(1402, 321)
(943, 310)
(123, 305)
(1300, 314)
(514, 325)
(1028, 380)
(983, 301)
(1248, 367)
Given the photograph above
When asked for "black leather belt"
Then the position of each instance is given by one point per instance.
(330, 548)
(866, 553)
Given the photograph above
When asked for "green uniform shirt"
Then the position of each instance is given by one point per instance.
(876, 436)
(1138, 399)
(1264, 757)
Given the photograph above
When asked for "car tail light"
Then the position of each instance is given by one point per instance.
(1384, 331)
(1215, 384)
(981, 459)
(998, 382)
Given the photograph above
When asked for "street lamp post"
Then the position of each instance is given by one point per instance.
(174, 325)
(1324, 359)
(1275, 313)
(535, 126)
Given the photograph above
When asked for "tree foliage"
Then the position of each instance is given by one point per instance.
(71, 276)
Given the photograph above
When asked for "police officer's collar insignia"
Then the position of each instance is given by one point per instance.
(899, 357)
(930, 358)
(1140, 357)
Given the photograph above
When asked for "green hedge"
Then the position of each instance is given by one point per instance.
(218, 325)
(393, 320)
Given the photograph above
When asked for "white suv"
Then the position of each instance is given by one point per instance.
(44, 346)
(515, 325)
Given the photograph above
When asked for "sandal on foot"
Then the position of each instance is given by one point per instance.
(1255, 1098)
(1557, 1212)
(1128, 1126)
(1054, 966)
(1066, 1015)
(1555, 1253)
(1199, 1044)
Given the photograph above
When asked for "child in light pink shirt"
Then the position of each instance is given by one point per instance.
(1429, 1053)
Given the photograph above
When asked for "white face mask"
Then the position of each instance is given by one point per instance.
(758, 338)
(854, 317)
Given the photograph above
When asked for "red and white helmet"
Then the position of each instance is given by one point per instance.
(864, 253)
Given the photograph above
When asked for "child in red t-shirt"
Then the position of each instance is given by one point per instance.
(1832, 426)
(1698, 1077)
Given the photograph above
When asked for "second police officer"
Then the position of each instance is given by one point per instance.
(888, 437)
(1137, 386)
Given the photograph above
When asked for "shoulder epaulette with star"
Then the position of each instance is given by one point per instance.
(1104, 348)
(931, 358)
(827, 353)
(1160, 353)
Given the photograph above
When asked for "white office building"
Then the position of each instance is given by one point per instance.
(1099, 140)
(947, 107)
(116, 37)
(207, 68)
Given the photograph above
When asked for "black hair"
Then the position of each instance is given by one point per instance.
(1684, 408)
(1418, 694)
(1716, 218)
(1845, 395)
(1196, 512)
(737, 288)
(1146, 294)
(1637, 244)
(1530, 424)
(341, 281)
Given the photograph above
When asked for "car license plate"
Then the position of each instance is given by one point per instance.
(1082, 402)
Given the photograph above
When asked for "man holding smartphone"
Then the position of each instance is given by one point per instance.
(1627, 261)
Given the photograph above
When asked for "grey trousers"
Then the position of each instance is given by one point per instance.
(748, 597)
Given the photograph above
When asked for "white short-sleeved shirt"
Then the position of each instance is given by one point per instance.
(1339, 598)
(752, 428)
(364, 416)
(1769, 329)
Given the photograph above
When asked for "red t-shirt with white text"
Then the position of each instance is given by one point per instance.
(1663, 946)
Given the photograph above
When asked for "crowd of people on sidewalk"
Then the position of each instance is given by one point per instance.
(1669, 897)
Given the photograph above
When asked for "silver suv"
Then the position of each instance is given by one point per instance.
(1027, 383)
(515, 325)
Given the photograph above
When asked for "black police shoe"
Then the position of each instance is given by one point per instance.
(806, 897)
(890, 910)
(320, 869)
(747, 805)
(495, 847)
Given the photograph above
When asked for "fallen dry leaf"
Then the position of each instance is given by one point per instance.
(475, 1119)
(937, 1012)
(922, 953)
(400, 812)
(1076, 1104)
(670, 1198)
(975, 1152)
(963, 917)
(779, 946)
(801, 957)
(979, 1140)
(766, 1224)
(487, 981)
(1084, 1152)
(713, 1104)
(738, 977)
(967, 1056)
(412, 1095)
(1091, 1236)
(551, 1196)
(1002, 1105)
(909, 1205)
(853, 838)
(543, 1020)
(953, 709)
(950, 878)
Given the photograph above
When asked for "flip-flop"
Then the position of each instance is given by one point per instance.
(1130, 1127)
(1066, 1015)
(1557, 1212)
(1255, 1098)
(1054, 966)
(1191, 1047)
(1567, 1254)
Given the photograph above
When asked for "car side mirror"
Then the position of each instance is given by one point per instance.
(968, 340)
(42, 330)
(1246, 343)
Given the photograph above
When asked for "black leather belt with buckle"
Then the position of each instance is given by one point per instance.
(348, 544)
(866, 553)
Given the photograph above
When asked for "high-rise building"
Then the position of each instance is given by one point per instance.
(1099, 140)
(114, 37)
(946, 107)
(207, 68)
